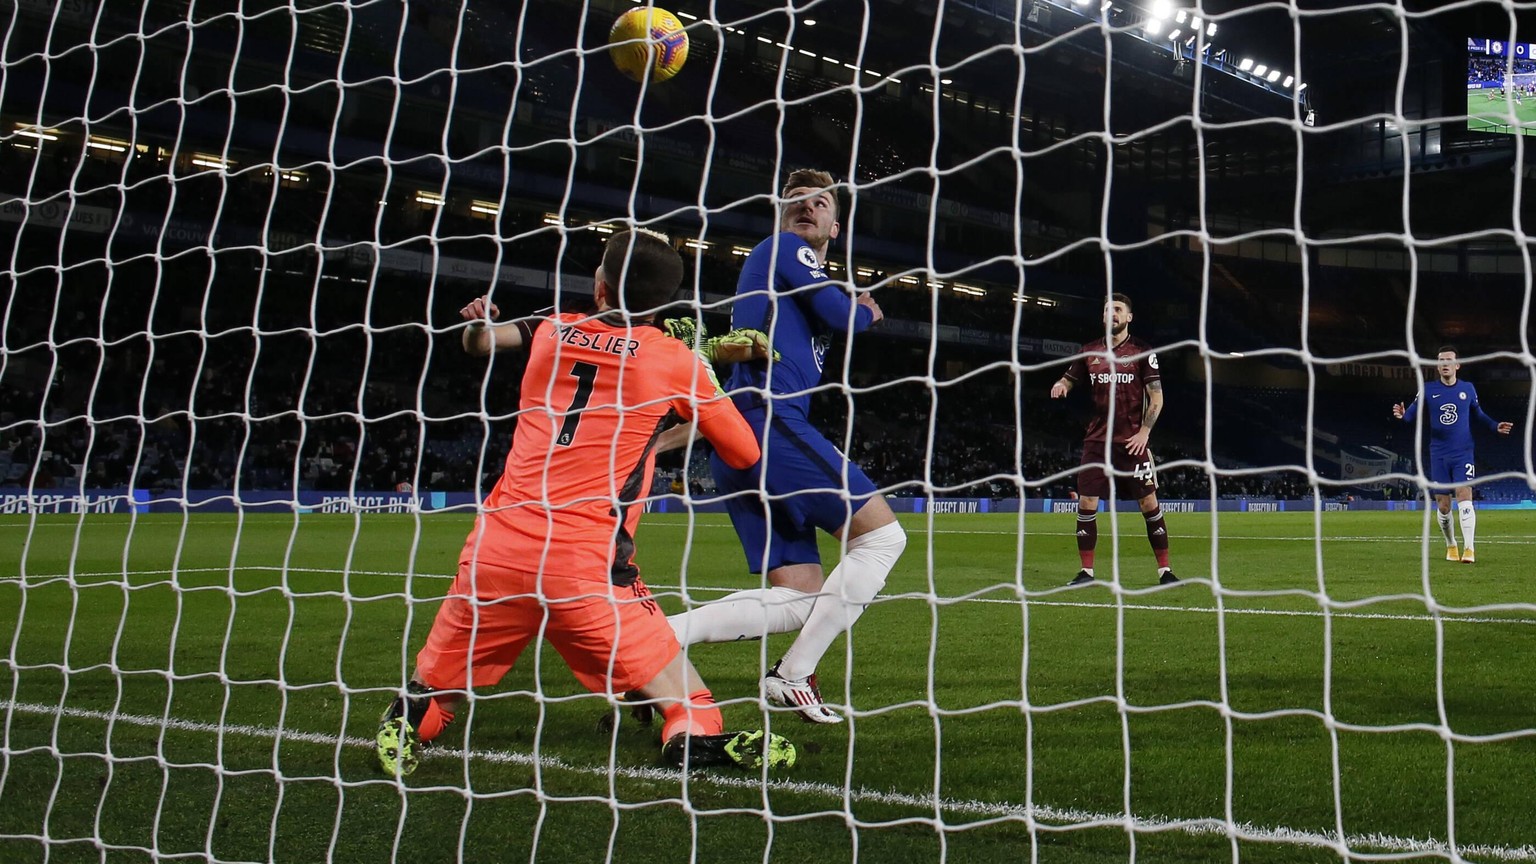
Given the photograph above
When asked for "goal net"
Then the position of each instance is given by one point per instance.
(242, 445)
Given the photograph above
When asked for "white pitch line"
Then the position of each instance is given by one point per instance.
(1448, 616)
(1043, 813)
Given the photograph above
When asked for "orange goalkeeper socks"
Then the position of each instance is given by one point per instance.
(434, 721)
(702, 718)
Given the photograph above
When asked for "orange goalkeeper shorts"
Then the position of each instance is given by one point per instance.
(613, 638)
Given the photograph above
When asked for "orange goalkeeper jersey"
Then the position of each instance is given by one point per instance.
(596, 394)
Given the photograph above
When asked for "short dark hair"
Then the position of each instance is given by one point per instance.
(1447, 348)
(812, 178)
(1122, 298)
(643, 269)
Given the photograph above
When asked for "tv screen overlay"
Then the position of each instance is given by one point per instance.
(1501, 86)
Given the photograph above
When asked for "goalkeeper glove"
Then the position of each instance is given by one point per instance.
(737, 346)
(689, 331)
(740, 346)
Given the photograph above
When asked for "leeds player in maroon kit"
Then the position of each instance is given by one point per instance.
(1128, 396)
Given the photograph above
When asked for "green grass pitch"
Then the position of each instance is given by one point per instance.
(208, 688)
(1500, 114)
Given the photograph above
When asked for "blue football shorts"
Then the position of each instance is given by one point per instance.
(803, 474)
(1450, 469)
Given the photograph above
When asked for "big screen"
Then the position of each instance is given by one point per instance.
(1501, 86)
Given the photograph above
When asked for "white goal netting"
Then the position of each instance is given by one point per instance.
(241, 442)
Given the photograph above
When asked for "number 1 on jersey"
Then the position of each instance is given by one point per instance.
(586, 377)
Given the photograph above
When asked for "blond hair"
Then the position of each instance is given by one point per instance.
(812, 178)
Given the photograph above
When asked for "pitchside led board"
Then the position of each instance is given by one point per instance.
(1501, 86)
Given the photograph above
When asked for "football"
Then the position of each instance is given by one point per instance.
(648, 42)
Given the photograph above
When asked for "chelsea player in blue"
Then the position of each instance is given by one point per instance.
(809, 483)
(1452, 407)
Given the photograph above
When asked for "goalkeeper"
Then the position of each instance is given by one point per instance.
(552, 552)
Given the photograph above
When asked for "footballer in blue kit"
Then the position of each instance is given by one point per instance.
(1450, 407)
(804, 483)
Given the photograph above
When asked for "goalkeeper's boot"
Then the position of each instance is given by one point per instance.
(1167, 578)
(398, 746)
(749, 750)
(803, 695)
(1083, 577)
(1452, 553)
(1467, 556)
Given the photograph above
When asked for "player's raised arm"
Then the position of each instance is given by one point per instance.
(1406, 414)
(484, 336)
(831, 306)
(706, 411)
(728, 431)
(800, 270)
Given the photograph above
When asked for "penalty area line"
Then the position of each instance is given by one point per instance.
(1053, 817)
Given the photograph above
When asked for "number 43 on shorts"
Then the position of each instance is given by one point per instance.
(1146, 473)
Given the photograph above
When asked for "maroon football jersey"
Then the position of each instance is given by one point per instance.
(1127, 379)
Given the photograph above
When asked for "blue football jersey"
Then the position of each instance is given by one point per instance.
(1449, 414)
(784, 292)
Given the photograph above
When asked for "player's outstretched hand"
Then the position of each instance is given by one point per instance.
(689, 331)
(1059, 389)
(741, 346)
(1398, 410)
(1506, 427)
(477, 309)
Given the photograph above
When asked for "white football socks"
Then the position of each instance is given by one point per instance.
(853, 584)
(750, 614)
(1468, 523)
(1445, 527)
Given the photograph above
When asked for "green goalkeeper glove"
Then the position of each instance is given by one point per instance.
(686, 330)
(737, 346)
(741, 346)
(691, 333)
